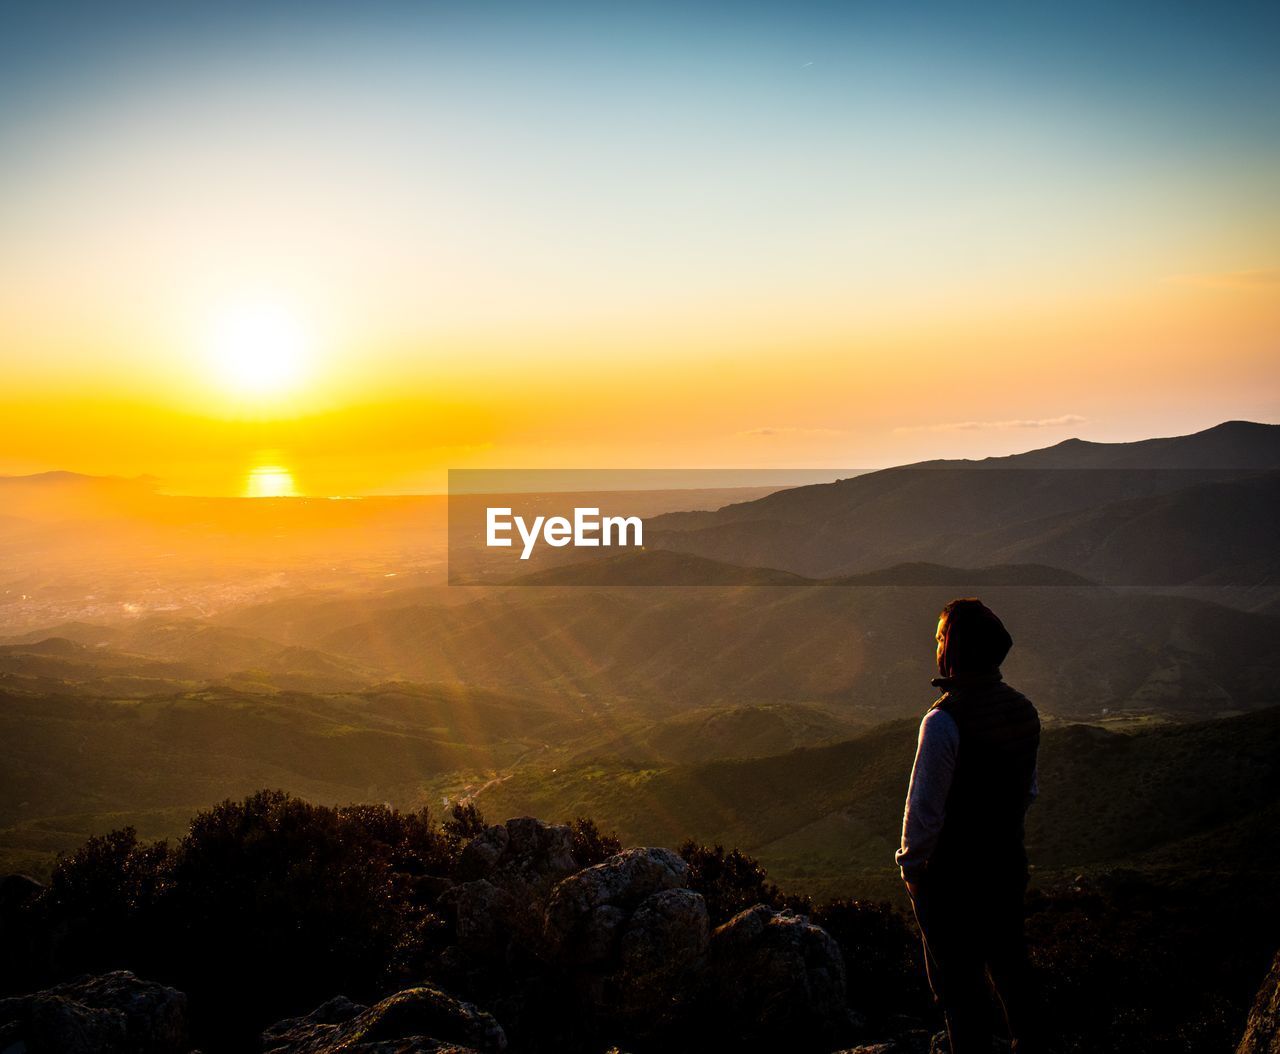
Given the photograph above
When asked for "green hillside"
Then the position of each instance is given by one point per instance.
(828, 818)
(1083, 652)
(72, 765)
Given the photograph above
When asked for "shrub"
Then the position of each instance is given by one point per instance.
(882, 958)
(465, 821)
(103, 899)
(267, 907)
(590, 846)
(730, 881)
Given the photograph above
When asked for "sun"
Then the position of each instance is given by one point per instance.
(269, 481)
(258, 349)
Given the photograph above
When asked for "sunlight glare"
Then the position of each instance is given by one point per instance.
(258, 349)
(269, 481)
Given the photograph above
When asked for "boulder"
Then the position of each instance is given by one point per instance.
(585, 917)
(318, 1024)
(522, 851)
(1262, 1030)
(506, 874)
(105, 1014)
(484, 916)
(631, 939)
(50, 1024)
(916, 1041)
(480, 856)
(663, 946)
(777, 975)
(414, 1021)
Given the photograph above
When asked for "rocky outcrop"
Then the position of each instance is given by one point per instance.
(663, 946)
(776, 974)
(416, 1021)
(485, 918)
(1262, 1031)
(588, 911)
(507, 872)
(637, 944)
(622, 950)
(630, 936)
(115, 1012)
(522, 852)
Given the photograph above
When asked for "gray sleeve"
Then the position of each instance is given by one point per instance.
(926, 806)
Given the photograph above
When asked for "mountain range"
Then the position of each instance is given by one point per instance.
(1190, 510)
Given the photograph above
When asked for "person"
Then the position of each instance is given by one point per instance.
(962, 856)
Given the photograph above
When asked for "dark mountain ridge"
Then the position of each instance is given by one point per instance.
(934, 510)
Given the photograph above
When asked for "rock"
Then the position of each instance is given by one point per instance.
(506, 874)
(522, 851)
(914, 1041)
(584, 917)
(415, 1021)
(1262, 1030)
(115, 1012)
(50, 1024)
(776, 974)
(664, 944)
(484, 916)
(155, 1015)
(318, 1023)
(482, 853)
(631, 937)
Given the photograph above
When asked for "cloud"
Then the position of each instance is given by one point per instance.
(762, 433)
(997, 426)
(1260, 276)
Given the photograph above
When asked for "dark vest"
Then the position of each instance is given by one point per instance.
(982, 835)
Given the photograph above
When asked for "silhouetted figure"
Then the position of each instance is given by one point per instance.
(962, 854)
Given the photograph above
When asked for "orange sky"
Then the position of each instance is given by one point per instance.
(1175, 356)
(366, 267)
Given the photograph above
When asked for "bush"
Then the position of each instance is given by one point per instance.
(306, 900)
(465, 821)
(590, 846)
(882, 958)
(267, 907)
(731, 881)
(104, 898)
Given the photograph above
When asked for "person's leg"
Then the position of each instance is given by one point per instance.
(956, 969)
(1011, 971)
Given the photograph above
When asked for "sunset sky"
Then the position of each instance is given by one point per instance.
(368, 242)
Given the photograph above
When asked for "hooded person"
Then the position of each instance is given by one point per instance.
(962, 855)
